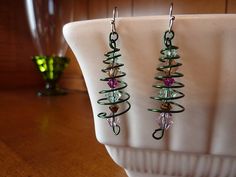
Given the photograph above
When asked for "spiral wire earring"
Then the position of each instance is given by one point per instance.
(167, 83)
(115, 95)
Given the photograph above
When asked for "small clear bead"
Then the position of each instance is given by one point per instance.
(171, 53)
(113, 72)
(170, 70)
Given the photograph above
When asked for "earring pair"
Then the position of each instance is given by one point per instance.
(167, 85)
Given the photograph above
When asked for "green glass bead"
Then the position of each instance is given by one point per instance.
(163, 93)
(113, 96)
(167, 93)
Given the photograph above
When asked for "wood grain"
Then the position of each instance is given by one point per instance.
(81, 10)
(11, 165)
(16, 47)
(50, 137)
(157, 7)
(231, 6)
(98, 9)
(124, 7)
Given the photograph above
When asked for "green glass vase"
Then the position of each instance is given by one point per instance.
(51, 68)
(46, 19)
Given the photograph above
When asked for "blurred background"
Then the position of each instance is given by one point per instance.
(54, 136)
(16, 43)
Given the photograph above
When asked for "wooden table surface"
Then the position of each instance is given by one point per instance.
(50, 137)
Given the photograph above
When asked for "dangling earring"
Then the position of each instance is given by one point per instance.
(167, 82)
(115, 95)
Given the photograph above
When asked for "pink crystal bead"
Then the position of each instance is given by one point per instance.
(165, 120)
(168, 81)
(112, 83)
(113, 121)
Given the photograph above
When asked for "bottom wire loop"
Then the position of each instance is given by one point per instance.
(113, 122)
(156, 132)
(116, 129)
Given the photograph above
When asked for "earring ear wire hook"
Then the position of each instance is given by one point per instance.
(171, 17)
(113, 21)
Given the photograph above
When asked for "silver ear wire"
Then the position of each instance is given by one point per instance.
(171, 17)
(113, 21)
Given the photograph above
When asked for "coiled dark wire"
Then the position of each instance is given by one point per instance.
(168, 36)
(111, 60)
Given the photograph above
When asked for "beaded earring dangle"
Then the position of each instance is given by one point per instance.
(114, 97)
(167, 83)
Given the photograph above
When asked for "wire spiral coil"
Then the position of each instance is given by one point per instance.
(115, 95)
(167, 85)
